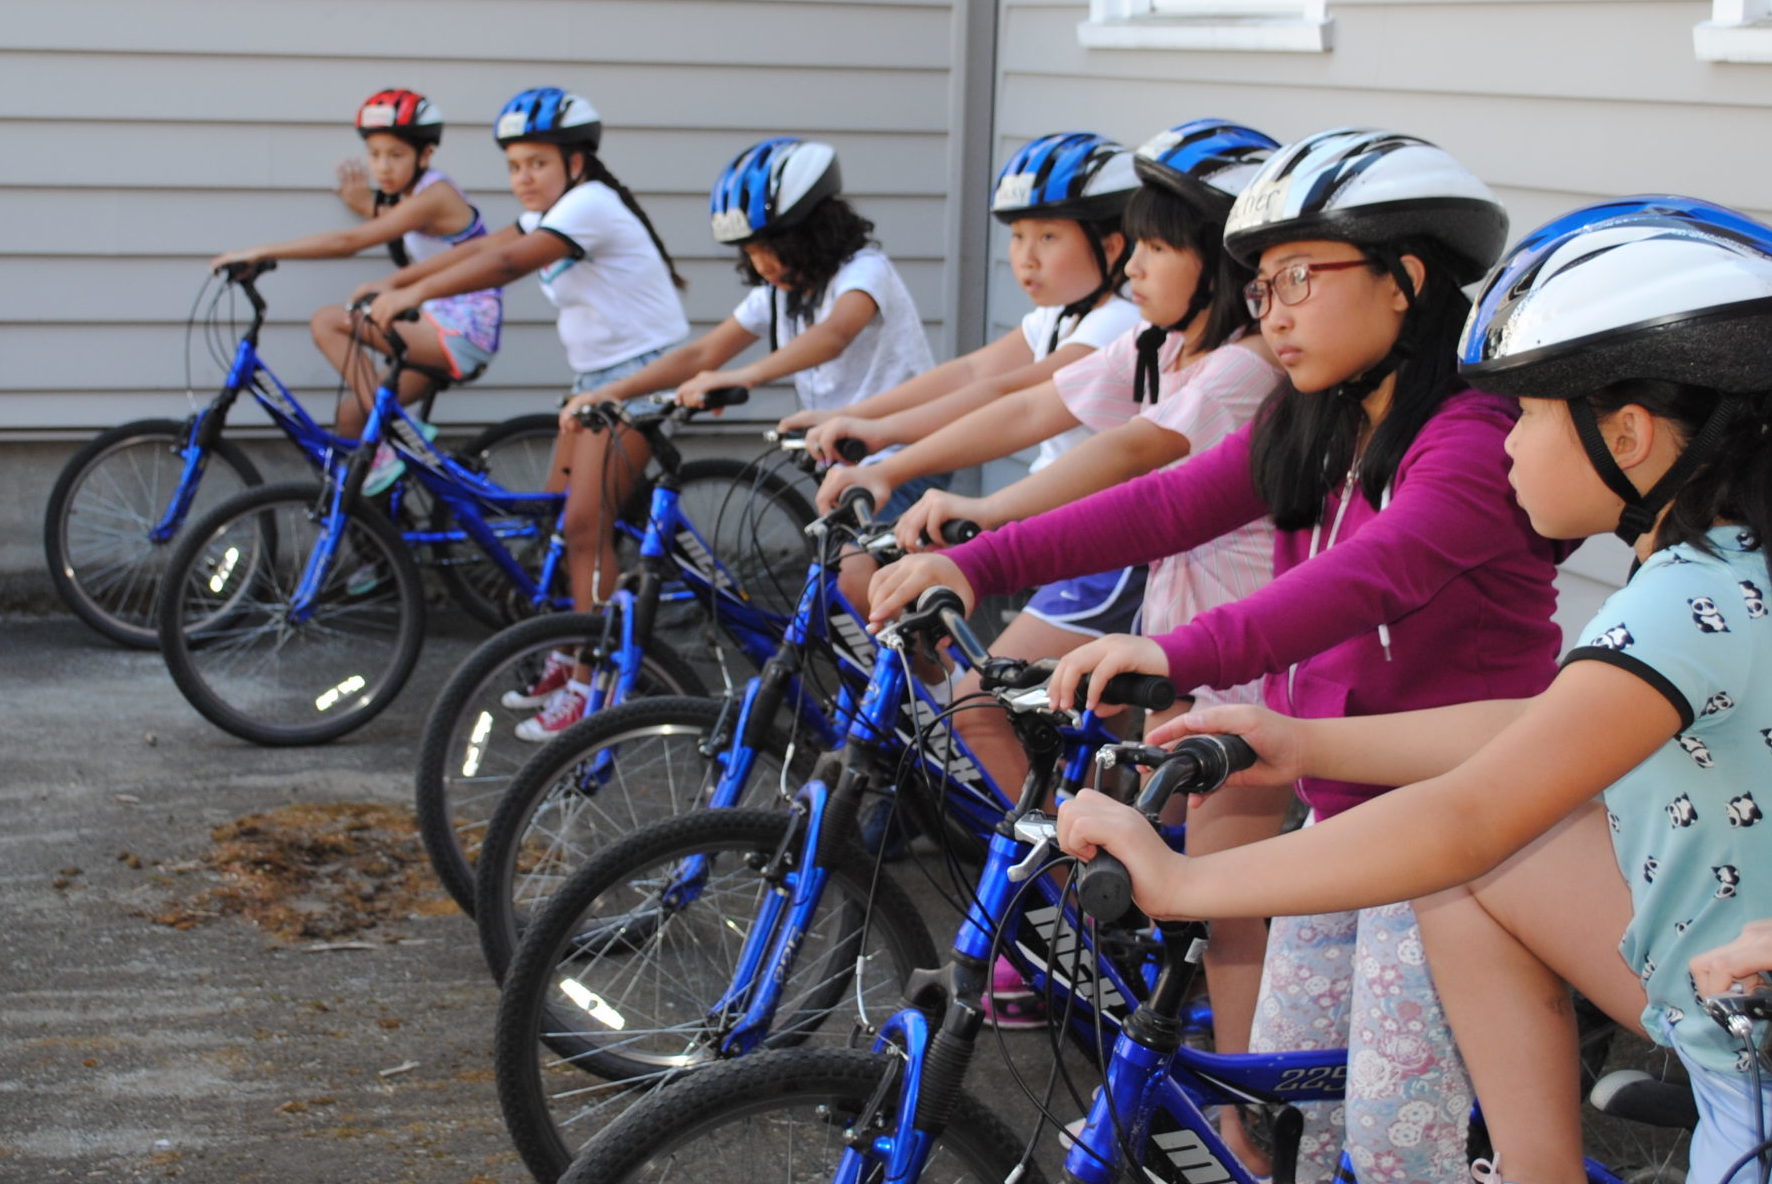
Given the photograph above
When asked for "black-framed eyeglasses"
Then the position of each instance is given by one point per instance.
(1290, 285)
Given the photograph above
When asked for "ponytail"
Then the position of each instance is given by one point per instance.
(596, 170)
(1733, 485)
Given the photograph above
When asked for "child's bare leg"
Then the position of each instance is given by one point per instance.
(355, 351)
(606, 467)
(1503, 950)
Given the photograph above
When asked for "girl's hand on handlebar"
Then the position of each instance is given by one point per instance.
(693, 392)
(227, 257)
(390, 304)
(803, 419)
(898, 584)
(821, 439)
(919, 528)
(1744, 960)
(1092, 822)
(839, 479)
(1278, 740)
(569, 421)
(1101, 659)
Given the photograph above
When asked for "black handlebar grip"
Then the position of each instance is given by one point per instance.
(1152, 692)
(1104, 888)
(851, 450)
(726, 396)
(410, 314)
(858, 501)
(959, 530)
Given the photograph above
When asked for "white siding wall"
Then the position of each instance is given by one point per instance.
(1553, 104)
(141, 138)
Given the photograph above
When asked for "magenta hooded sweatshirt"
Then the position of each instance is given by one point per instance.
(1444, 596)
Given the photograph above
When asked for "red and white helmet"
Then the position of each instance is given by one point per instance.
(402, 113)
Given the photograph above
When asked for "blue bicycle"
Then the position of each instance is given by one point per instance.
(898, 1113)
(720, 932)
(120, 501)
(719, 536)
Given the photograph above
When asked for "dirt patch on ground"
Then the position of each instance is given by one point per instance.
(310, 872)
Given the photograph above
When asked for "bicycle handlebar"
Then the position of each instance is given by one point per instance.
(1199, 764)
(955, 531)
(1152, 692)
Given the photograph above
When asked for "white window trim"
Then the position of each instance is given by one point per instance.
(1737, 31)
(1264, 26)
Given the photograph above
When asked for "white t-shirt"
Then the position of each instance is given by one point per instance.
(889, 349)
(1108, 320)
(613, 291)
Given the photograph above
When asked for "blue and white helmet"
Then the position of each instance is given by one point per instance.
(1657, 287)
(1076, 175)
(1372, 189)
(1206, 160)
(771, 186)
(552, 116)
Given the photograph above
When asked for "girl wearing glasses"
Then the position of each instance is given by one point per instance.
(1405, 576)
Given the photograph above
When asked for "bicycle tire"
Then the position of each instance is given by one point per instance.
(104, 502)
(517, 454)
(311, 681)
(541, 829)
(707, 1123)
(540, 1045)
(469, 752)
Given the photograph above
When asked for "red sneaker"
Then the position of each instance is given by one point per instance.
(554, 674)
(563, 709)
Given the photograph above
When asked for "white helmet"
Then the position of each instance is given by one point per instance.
(1371, 189)
(771, 186)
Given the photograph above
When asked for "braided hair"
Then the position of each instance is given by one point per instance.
(596, 170)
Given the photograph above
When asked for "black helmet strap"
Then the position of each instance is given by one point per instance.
(1080, 308)
(1640, 509)
(1355, 389)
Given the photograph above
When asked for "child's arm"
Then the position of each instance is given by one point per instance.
(995, 430)
(413, 214)
(712, 349)
(819, 343)
(1107, 458)
(1006, 366)
(499, 258)
(951, 375)
(443, 260)
(1594, 724)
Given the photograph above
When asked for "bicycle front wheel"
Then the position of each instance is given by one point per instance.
(783, 1116)
(236, 645)
(105, 565)
(602, 778)
(618, 976)
(470, 751)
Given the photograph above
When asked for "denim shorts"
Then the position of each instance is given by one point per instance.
(590, 380)
(1107, 602)
(1725, 1124)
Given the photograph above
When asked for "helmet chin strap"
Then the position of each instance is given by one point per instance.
(1355, 389)
(1641, 509)
(1150, 342)
(1080, 308)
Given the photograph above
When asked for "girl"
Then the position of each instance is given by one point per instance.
(1634, 335)
(1404, 573)
(419, 213)
(1061, 197)
(837, 317)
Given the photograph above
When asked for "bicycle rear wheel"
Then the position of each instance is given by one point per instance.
(617, 977)
(107, 499)
(227, 626)
(783, 1116)
(469, 750)
(602, 778)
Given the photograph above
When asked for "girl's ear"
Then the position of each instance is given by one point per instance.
(1416, 270)
(1630, 434)
(424, 157)
(1113, 245)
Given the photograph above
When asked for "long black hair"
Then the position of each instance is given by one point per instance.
(811, 252)
(1735, 484)
(1159, 214)
(1304, 444)
(596, 170)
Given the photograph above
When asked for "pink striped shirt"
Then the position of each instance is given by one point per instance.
(1204, 401)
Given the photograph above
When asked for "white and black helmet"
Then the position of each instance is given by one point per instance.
(1369, 188)
(1663, 288)
(1076, 175)
(771, 186)
(1208, 160)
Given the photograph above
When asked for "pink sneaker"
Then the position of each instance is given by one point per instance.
(1010, 1003)
(554, 674)
(564, 708)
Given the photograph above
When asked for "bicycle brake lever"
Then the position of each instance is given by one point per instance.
(1737, 1012)
(1042, 832)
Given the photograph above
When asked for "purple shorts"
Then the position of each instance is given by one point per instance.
(1107, 602)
